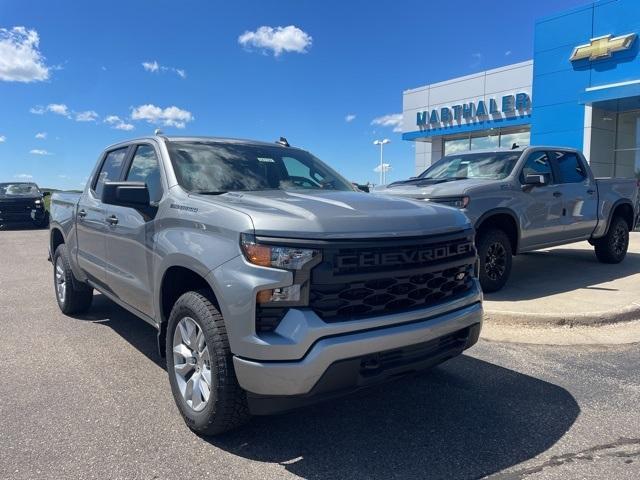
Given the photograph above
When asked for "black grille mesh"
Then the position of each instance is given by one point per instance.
(380, 296)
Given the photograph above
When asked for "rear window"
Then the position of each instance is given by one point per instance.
(570, 167)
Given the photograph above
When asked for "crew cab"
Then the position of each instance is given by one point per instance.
(526, 199)
(271, 281)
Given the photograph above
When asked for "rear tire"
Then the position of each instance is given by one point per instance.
(612, 248)
(72, 295)
(494, 250)
(200, 367)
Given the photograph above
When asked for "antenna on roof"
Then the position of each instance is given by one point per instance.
(283, 142)
(514, 146)
(157, 131)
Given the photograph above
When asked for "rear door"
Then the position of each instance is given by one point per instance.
(92, 226)
(130, 245)
(579, 195)
(541, 222)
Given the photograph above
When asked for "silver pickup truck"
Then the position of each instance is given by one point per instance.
(271, 281)
(526, 199)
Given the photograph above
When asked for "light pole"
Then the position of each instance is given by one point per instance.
(381, 143)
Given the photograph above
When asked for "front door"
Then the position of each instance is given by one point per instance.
(541, 206)
(92, 226)
(129, 251)
(580, 195)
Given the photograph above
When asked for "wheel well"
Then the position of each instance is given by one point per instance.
(625, 211)
(56, 240)
(175, 282)
(504, 222)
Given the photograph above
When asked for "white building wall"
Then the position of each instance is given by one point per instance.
(495, 83)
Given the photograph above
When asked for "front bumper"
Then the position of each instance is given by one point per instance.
(286, 378)
(26, 215)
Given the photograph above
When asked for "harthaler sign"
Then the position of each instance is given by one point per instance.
(505, 105)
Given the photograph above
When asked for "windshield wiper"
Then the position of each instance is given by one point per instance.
(212, 192)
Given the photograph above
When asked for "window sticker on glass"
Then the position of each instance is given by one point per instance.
(266, 160)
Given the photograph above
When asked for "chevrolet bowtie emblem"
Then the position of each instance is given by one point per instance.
(602, 47)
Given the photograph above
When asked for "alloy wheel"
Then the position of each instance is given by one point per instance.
(495, 262)
(192, 364)
(619, 240)
(60, 279)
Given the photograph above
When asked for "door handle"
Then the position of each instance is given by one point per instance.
(557, 194)
(82, 213)
(112, 220)
(591, 191)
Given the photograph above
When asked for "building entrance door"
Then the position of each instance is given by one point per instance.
(627, 146)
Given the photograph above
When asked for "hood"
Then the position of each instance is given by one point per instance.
(340, 215)
(444, 189)
(20, 198)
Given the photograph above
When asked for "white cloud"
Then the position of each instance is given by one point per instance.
(392, 120)
(23, 176)
(170, 116)
(350, 118)
(41, 135)
(37, 151)
(151, 66)
(20, 58)
(507, 53)
(277, 40)
(86, 116)
(117, 123)
(476, 60)
(63, 176)
(3, 139)
(58, 109)
(385, 167)
(155, 67)
(37, 110)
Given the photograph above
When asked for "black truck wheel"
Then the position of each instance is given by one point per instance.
(200, 367)
(72, 296)
(494, 251)
(612, 248)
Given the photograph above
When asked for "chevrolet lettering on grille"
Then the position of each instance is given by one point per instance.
(388, 259)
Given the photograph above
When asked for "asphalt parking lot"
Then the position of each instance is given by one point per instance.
(88, 398)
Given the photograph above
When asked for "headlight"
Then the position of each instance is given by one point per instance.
(458, 202)
(38, 202)
(287, 258)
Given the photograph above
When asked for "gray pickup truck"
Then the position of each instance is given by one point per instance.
(526, 199)
(271, 281)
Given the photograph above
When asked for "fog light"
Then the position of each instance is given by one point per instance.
(282, 294)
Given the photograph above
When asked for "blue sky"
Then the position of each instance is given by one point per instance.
(76, 73)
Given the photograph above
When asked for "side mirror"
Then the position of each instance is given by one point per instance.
(364, 188)
(126, 194)
(46, 194)
(535, 180)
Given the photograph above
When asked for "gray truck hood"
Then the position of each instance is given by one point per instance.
(326, 214)
(445, 189)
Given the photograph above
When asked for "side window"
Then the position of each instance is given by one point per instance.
(537, 164)
(110, 170)
(570, 167)
(145, 168)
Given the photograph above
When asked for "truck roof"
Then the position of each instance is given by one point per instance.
(188, 138)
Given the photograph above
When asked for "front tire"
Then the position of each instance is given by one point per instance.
(72, 295)
(612, 248)
(494, 250)
(200, 367)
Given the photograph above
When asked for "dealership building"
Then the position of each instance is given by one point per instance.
(581, 90)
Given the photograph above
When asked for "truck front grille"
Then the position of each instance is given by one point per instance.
(389, 276)
(382, 296)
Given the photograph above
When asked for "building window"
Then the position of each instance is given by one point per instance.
(520, 138)
(456, 145)
(497, 138)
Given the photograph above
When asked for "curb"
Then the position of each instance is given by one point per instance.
(628, 313)
(621, 333)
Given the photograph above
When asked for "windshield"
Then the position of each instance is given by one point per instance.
(210, 168)
(16, 189)
(489, 165)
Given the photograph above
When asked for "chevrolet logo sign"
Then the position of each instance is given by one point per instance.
(602, 47)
